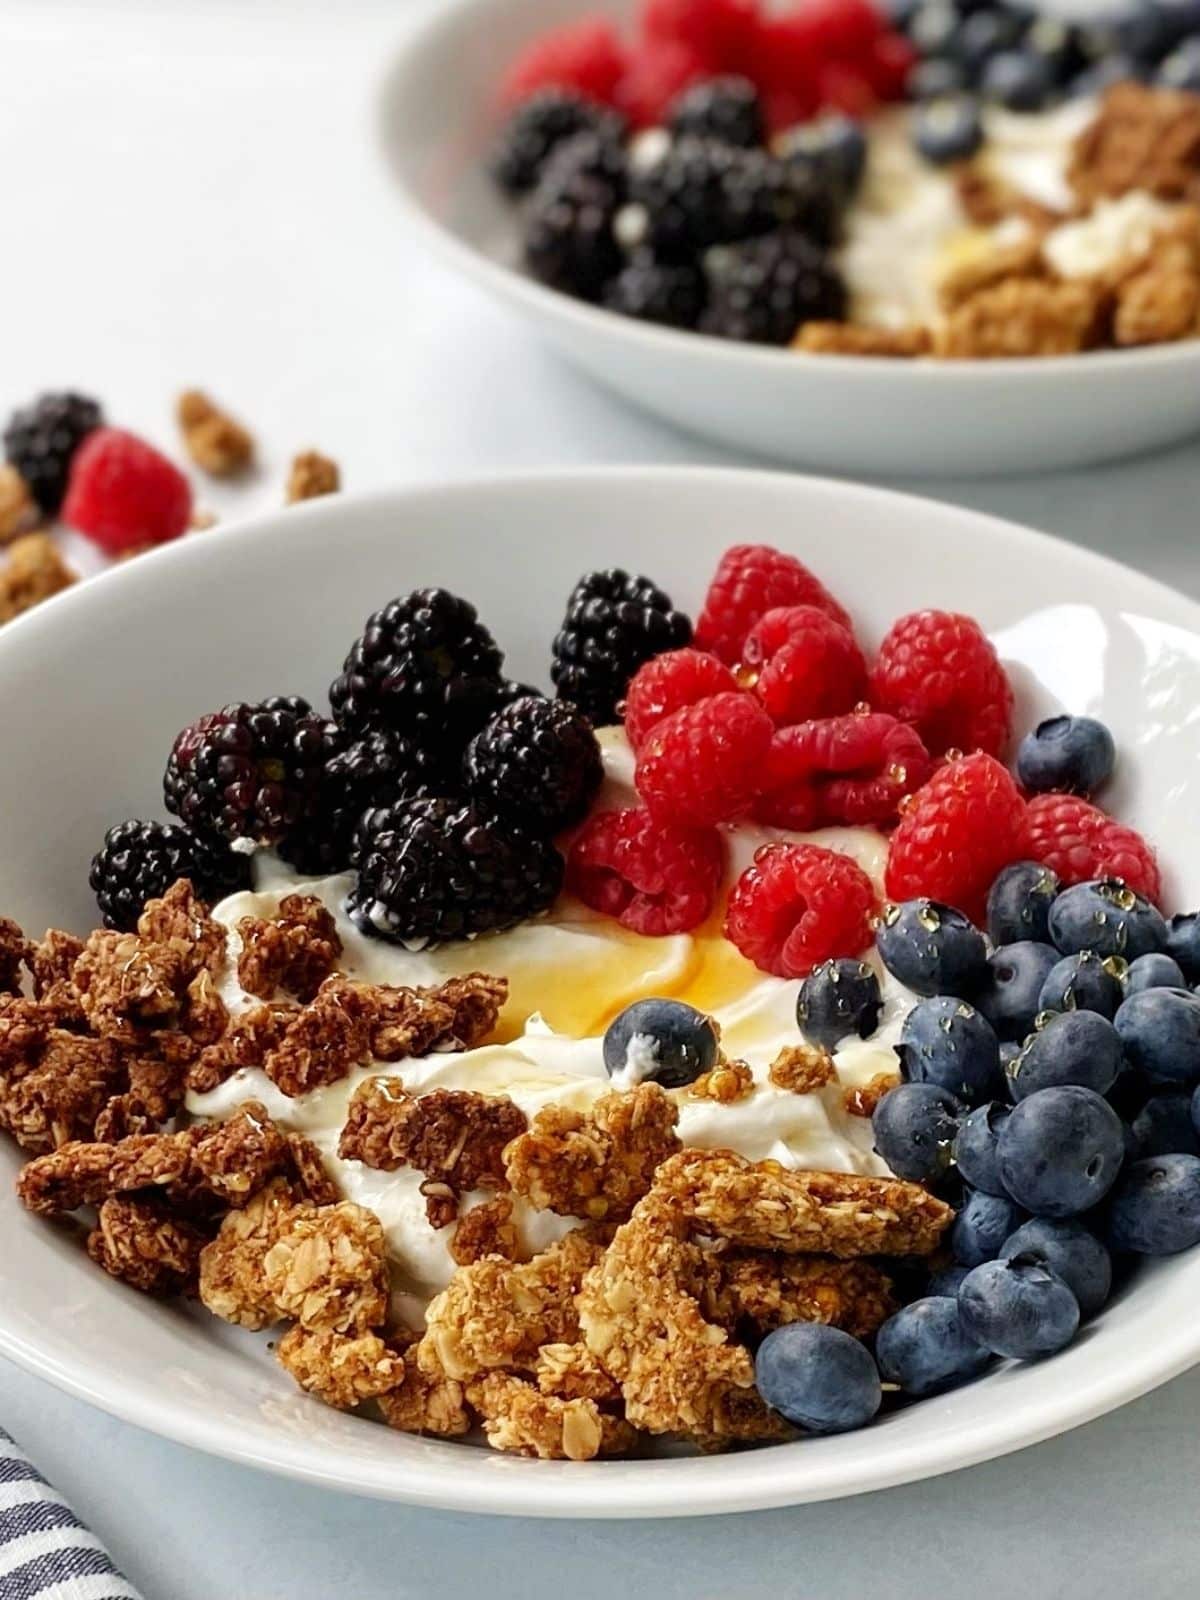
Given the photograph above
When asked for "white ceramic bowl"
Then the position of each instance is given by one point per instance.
(97, 683)
(842, 413)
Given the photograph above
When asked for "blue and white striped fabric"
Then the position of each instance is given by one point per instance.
(45, 1551)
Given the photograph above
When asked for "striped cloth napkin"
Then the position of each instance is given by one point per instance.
(45, 1551)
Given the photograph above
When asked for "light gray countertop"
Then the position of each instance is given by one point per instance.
(194, 195)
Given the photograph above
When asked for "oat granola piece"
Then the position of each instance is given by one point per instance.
(728, 1082)
(326, 1038)
(233, 1280)
(217, 443)
(802, 1068)
(51, 963)
(126, 983)
(861, 1102)
(485, 1230)
(341, 1369)
(309, 1173)
(312, 475)
(426, 1402)
(454, 1136)
(24, 1028)
(33, 572)
(858, 339)
(178, 921)
(997, 264)
(247, 1041)
(56, 1093)
(495, 1314)
(1142, 138)
(78, 1173)
(295, 951)
(988, 199)
(455, 1015)
(1157, 306)
(767, 1290)
(145, 1246)
(572, 1372)
(328, 1268)
(518, 1418)
(1023, 317)
(19, 511)
(14, 952)
(233, 1159)
(595, 1164)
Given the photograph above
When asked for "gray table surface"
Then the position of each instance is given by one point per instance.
(193, 195)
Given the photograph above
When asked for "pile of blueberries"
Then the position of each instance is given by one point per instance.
(1015, 56)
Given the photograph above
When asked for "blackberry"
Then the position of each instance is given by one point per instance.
(537, 762)
(40, 441)
(597, 152)
(433, 870)
(139, 861)
(727, 109)
(569, 242)
(654, 291)
(379, 768)
(832, 151)
(614, 622)
(762, 291)
(424, 666)
(250, 771)
(539, 126)
(703, 193)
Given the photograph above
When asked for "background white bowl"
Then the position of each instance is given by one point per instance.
(848, 414)
(97, 683)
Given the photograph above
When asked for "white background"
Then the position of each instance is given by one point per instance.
(193, 194)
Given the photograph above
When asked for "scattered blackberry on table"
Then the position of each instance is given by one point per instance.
(764, 290)
(537, 127)
(569, 241)
(435, 870)
(950, 129)
(726, 109)
(41, 439)
(661, 1041)
(139, 861)
(536, 761)
(424, 666)
(615, 620)
(656, 291)
(250, 771)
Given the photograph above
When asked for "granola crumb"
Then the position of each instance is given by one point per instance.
(857, 339)
(328, 1268)
(595, 1164)
(51, 963)
(728, 1082)
(455, 1015)
(312, 475)
(246, 1042)
(802, 1068)
(426, 1402)
(233, 1282)
(767, 1290)
(1023, 317)
(15, 952)
(861, 1102)
(216, 443)
(341, 1369)
(143, 1245)
(33, 572)
(54, 1083)
(296, 950)
(485, 1230)
(996, 264)
(1142, 138)
(325, 1039)
(520, 1419)
(1157, 306)
(19, 511)
(572, 1372)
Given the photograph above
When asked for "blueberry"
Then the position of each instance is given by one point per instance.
(1155, 971)
(1181, 69)
(664, 1041)
(1057, 43)
(950, 129)
(914, 1127)
(1076, 1047)
(975, 1146)
(1018, 79)
(1069, 1250)
(1019, 901)
(1139, 30)
(1196, 1109)
(1160, 1032)
(934, 78)
(818, 1377)
(1183, 943)
(947, 1042)
(947, 1280)
(1018, 1308)
(1071, 755)
(933, 28)
(837, 999)
(981, 1227)
(1108, 917)
(1164, 1127)
(1010, 995)
(1083, 982)
(984, 36)
(1095, 79)
(833, 150)
(1155, 1206)
(923, 1348)
(1060, 1151)
(932, 948)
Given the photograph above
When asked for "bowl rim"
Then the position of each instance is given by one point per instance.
(423, 33)
(640, 1488)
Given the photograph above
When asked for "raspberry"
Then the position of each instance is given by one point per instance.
(701, 765)
(843, 28)
(123, 494)
(651, 876)
(956, 834)
(845, 89)
(586, 56)
(797, 905)
(720, 32)
(656, 76)
(1079, 842)
(852, 771)
(750, 580)
(887, 64)
(805, 664)
(940, 672)
(785, 52)
(669, 682)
